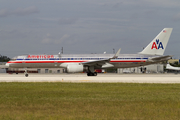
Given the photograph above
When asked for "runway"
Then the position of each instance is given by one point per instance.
(101, 78)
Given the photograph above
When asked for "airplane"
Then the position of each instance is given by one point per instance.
(169, 67)
(75, 63)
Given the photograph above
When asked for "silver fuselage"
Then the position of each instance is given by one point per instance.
(60, 61)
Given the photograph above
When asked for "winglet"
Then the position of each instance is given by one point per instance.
(117, 53)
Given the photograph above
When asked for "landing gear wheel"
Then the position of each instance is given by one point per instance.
(92, 74)
(26, 75)
(95, 73)
(88, 74)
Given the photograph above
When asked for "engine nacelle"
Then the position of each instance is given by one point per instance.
(74, 68)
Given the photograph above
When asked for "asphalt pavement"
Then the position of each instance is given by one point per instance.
(100, 78)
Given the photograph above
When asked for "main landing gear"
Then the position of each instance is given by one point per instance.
(92, 74)
(91, 71)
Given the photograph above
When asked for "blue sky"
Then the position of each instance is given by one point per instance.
(86, 26)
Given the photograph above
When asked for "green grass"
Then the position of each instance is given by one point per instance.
(89, 101)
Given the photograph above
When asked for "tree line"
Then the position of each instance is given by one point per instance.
(175, 64)
(4, 58)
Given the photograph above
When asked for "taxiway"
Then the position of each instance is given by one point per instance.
(101, 78)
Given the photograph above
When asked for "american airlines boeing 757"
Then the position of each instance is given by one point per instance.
(152, 54)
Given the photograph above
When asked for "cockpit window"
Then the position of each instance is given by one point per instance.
(13, 59)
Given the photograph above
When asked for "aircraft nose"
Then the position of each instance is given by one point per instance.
(7, 64)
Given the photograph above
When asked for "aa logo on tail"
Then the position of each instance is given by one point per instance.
(157, 45)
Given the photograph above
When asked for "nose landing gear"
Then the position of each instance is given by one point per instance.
(26, 73)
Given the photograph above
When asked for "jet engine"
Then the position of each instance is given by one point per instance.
(74, 68)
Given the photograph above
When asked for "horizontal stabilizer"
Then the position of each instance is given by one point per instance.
(161, 58)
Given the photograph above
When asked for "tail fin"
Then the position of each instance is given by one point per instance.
(158, 44)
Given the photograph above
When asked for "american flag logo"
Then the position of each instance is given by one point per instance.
(164, 31)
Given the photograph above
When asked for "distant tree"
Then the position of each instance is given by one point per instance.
(4, 58)
(175, 64)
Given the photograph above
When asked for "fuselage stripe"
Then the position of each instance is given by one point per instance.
(38, 61)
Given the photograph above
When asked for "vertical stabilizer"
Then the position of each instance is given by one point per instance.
(159, 43)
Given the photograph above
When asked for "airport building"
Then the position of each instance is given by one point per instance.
(3, 67)
(37, 70)
(154, 68)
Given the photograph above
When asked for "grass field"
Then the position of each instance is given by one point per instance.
(89, 101)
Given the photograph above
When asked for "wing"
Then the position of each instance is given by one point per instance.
(99, 63)
(96, 62)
